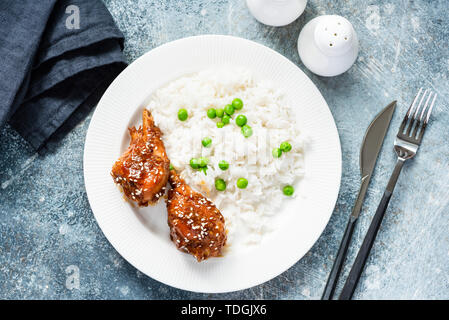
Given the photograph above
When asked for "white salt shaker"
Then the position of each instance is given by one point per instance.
(276, 13)
(328, 45)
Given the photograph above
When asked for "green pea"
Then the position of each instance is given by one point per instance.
(182, 114)
(242, 183)
(207, 142)
(203, 162)
(237, 104)
(288, 190)
(220, 124)
(229, 109)
(241, 120)
(195, 163)
(219, 112)
(211, 113)
(286, 146)
(223, 165)
(171, 167)
(220, 185)
(226, 119)
(276, 153)
(247, 131)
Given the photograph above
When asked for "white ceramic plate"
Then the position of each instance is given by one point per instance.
(141, 236)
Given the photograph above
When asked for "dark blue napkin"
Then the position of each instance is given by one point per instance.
(55, 56)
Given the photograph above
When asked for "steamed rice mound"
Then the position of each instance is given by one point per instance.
(247, 211)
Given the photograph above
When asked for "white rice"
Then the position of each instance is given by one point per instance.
(247, 211)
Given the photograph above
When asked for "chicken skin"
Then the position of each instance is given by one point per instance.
(196, 225)
(143, 169)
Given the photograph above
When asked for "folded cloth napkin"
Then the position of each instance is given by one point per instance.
(55, 55)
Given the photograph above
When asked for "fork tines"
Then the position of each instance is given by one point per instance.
(417, 115)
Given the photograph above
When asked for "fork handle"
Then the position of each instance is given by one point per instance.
(362, 256)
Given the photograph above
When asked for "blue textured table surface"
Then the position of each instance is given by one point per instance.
(52, 248)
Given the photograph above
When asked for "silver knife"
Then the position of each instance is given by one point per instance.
(372, 143)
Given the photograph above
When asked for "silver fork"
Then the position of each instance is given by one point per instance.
(406, 145)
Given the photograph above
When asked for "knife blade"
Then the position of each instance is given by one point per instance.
(371, 145)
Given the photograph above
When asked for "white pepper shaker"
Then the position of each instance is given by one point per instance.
(276, 13)
(328, 45)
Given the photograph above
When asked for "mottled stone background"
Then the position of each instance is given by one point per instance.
(52, 248)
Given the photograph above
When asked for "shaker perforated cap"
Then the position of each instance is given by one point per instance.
(333, 35)
(328, 45)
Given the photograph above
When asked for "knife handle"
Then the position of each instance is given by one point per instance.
(341, 255)
(362, 256)
(339, 260)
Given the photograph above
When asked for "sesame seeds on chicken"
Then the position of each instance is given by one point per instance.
(142, 170)
(196, 225)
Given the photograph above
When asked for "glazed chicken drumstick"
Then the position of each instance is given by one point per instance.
(196, 225)
(143, 169)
